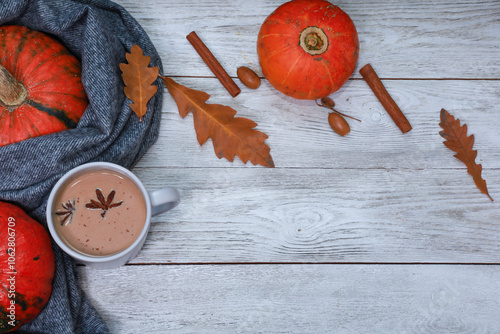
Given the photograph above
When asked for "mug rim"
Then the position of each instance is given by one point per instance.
(90, 258)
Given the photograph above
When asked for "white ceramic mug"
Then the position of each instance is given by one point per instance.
(157, 201)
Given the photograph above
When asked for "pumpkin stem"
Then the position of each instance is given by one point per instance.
(313, 40)
(12, 92)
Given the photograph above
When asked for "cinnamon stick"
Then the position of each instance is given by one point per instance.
(376, 85)
(213, 64)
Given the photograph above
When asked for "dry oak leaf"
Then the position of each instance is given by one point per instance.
(139, 78)
(230, 135)
(457, 141)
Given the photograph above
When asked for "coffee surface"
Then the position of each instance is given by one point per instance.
(99, 213)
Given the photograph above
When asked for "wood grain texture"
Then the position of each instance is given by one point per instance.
(297, 298)
(374, 232)
(300, 137)
(424, 39)
(323, 215)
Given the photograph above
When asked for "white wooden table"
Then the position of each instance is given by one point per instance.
(375, 232)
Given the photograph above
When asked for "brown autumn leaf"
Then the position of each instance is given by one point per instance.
(139, 78)
(230, 135)
(457, 141)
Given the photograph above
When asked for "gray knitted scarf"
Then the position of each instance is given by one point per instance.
(98, 33)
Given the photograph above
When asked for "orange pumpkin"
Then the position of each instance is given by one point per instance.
(308, 48)
(40, 85)
(26, 267)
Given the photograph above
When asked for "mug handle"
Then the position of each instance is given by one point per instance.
(163, 200)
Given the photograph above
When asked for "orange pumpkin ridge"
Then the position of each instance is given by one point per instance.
(26, 267)
(308, 48)
(50, 76)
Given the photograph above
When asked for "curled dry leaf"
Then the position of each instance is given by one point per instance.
(230, 135)
(139, 78)
(457, 141)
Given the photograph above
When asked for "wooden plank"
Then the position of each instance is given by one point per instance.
(300, 137)
(424, 39)
(374, 227)
(297, 298)
(323, 215)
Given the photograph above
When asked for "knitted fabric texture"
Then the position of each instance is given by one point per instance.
(98, 33)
